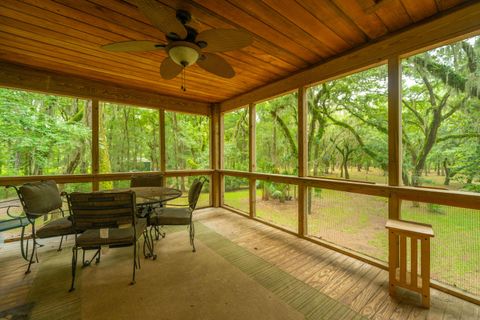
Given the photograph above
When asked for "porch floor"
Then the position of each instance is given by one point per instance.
(242, 270)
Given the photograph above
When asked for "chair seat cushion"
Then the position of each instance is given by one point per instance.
(58, 227)
(171, 216)
(116, 236)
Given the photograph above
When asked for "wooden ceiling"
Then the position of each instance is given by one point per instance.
(289, 36)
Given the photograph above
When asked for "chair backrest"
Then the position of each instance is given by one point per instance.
(39, 198)
(147, 180)
(96, 210)
(194, 192)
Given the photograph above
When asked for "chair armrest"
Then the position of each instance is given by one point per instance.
(21, 215)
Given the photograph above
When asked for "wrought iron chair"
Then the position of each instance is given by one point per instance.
(39, 199)
(109, 219)
(180, 216)
(15, 221)
(147, 180)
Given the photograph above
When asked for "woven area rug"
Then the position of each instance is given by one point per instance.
(220, 281)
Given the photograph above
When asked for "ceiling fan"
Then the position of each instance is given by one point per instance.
(185, 45)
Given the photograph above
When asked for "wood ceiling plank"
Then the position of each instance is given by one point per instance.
(419, 10)
(257, 27)
(51, 37)
(393, 14)
(260, 11)
(447, 4)
(144, 27)
(153, 63)
(310, 22)
(202, 20)
(368, 23)
(54, 21)
(16, 56)
(104, 13)
(336, 20)
(79, 60)
(78, 16)
(149, 78)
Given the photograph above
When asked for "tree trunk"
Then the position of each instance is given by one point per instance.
(446, 182)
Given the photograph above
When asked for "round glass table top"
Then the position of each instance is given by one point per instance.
(151, 195)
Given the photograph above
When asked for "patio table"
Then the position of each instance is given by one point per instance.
(146, 199)
(149, 196)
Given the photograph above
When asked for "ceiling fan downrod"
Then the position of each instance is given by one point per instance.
(184, 85)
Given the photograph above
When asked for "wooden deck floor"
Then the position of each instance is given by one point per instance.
(360, 286)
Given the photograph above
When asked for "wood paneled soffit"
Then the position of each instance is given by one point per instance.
(19, 76)
(458, 23)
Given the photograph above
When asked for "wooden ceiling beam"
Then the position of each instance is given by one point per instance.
(23, 77)
(444, 28)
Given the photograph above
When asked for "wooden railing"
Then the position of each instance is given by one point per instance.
(82, 178)
(398, 193)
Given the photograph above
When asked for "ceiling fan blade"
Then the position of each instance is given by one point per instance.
(169, 69)
(132, 46)
(162, 17)
(224, 39)
(217, 65)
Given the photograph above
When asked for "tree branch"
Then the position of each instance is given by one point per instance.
(459, 136)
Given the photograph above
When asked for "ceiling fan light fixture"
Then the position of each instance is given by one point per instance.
(184, 53)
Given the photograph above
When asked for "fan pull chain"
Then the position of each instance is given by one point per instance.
(184, 86)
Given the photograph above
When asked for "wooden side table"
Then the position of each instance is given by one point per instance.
(399, 275)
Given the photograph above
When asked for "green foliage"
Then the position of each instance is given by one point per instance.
(188, 141)
(235, 183)
(129, 139)
(43, 134)
(236, 140)
(276, 135)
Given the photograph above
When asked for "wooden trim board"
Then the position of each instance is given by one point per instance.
(27, 78)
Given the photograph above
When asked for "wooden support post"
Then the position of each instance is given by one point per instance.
(163, 153)
(95, 144)
(221, 154)
(252, 163)
(302, 160)
(394, 133)
(215, 155)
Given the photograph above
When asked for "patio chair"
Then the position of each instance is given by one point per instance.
(15, 221)
(39, 199)
(180, 216)
(109, 219)
(147, 180)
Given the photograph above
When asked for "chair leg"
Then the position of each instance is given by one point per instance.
(159, 233)
(74, 267)
(34, 250)
(60, 245)
(192, 236)
(24, 244)
(138, 255)
(134, 263)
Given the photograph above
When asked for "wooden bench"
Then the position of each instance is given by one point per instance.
(399, 273)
